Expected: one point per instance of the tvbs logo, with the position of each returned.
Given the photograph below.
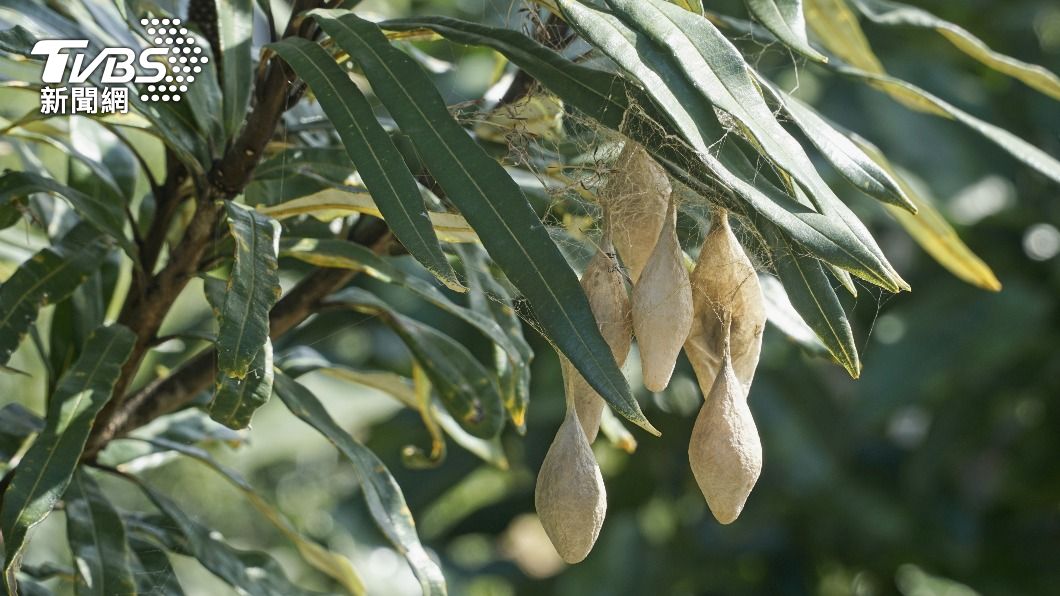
(162, 71)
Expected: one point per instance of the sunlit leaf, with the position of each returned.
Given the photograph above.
(492, 204)
(333, 202)
(884, 12)
(378, 161)
(784, 18)
(717, 74)
(615, 103)
(847, 158)
(934, 234)
(1014, 145)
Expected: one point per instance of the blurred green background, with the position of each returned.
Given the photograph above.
(938, 472)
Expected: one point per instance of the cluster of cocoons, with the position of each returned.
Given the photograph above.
(716, 314)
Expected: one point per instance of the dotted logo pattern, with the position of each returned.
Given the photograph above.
(185, 59)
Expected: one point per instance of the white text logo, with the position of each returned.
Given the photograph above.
(162, 72)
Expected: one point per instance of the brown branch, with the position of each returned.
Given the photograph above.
(175, 391)
(148, 303)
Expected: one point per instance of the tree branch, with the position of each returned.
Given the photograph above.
(175, 391)
(147, 304)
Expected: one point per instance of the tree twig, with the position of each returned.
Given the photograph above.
(147, 305)
(175, 391)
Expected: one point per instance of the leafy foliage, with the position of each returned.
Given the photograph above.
(280, 165)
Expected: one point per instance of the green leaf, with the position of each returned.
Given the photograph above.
(250, 572)
(490, 297)
(16, 425)
(235, 29)
(17, 40)
(381, 491)
(711, 71)
(44, 472)
(1014, 145)
(335, 566)
(884, 12)
(190, 427)
(378, 161)
(847, 158)
(48, 277)
(492, 203)
(296, 172)
(235, 400)
(348, 255)
(154, 575)
(619, 105)
(468, 390)
(401, 388)
(253, 287)
(934, 234)
(784, 18)
(811, 293)
(103, 213)
(785, 318)
(97, 539)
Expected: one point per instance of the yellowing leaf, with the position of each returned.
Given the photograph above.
(884, 12)
(934, 234)
(332, 203)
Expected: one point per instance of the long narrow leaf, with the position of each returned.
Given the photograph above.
(250, 572)
(235, 28)
(332, 203)
(1014, 145)
(49, 276)
(468, 390)
(493, 204)
(813, 297)
(253, 287)
(488, 296)
(378, 160)
(97, 539)
(847, 158)
(934, 234)
(617, 104)
(44, 472)
(784, 18)
(884, 12)
(336, 566)
(719, 76)
(154, 574)
(348, 255)
(235, 400)
(381, 491)
(103, 213)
